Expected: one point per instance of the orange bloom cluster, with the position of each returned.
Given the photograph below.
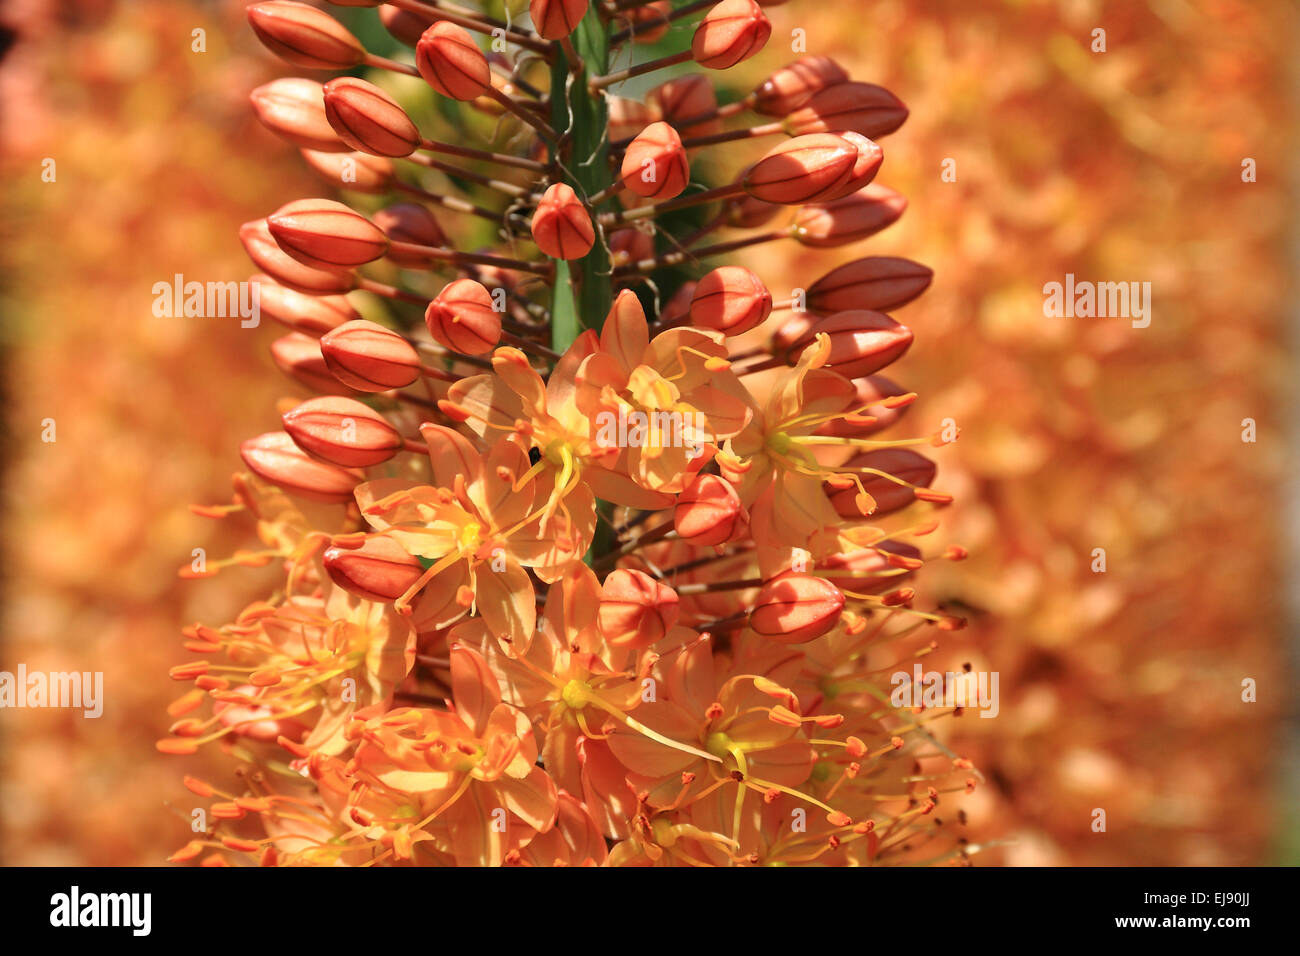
(569, 577)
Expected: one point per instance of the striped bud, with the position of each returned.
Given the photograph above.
(860, 107)
(294, 109)
(682, 99)
(862, 341)
(804, 169)
(902, 463)
(655, 164)
(870, 570)
(284, 269)
(368, 119)
(635, 610)
(359, 172)
(870, 156)
(648, 22)
(305, 36)
(856, 216)
(796, 608)
(309, 314)
(274, 458)
(880, 283)
(405, 26)
(299, 356)
(630, 245)
(746, 212)
(730, 299)
(342, 431)
(379, 569)
(708, 512)
(561, 226)
(627, 117)
(796, 83)
(325, 234)
(369, 357)
(734, 30)
(451, 62)
(464, 319)
(556, 19)
(413, 223)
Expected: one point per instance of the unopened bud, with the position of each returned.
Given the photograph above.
(309, 314)
(405, 26)
(655, 164)
(412, 223)
(368, 119)
(463, 318)
(342, 431)
(369, 357)
(796, 608)
(299, 356)
(708, 512)
(358, 172)
(861, 341)
(870, 392)
(879, 283)
(685, 98)
(561, 226)
(556, 19)
(803, 169)
(451, 62)
(294, 109)
(635, 610)
(902, 463)
(732, 31)
(862, 108)
(854, 217)
(379, 569)
(286, 270)
(796, 83)
(325, 234)
(730, 299)
(305, 36)
(275, 458)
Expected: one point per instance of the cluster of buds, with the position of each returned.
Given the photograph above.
(574, 575)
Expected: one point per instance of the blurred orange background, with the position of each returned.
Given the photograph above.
(1120, 690)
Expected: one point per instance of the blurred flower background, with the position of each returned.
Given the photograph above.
(1120, 689)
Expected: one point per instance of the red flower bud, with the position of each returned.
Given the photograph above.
(413, 223)
(556, 19)
(305, 36)
(796, 83)
(708, 512)
(803, 169)
(626, 117)
(325, 234)
(630, 245)
(561, 226)
(796, 608)
(359, 172)
(864, 108)
(854, 217)
(862, 341)
(730, 299)
(684, 98)
(869, 570)
(635, 610)
(880, 283)
(274, 458)
(368, 119)
(275, 262)
(299, 357)
(369, 357)
(732, 31)
(405, 26)
(310, 314)
(677, 308)
(342, 431)
(655, 164)
(294, 109)
(451, 62)
(379, 570)
(464, 318)
(864, 170)
(903, 463)
(648, 21)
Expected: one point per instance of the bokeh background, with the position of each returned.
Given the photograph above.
(1119, 690)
